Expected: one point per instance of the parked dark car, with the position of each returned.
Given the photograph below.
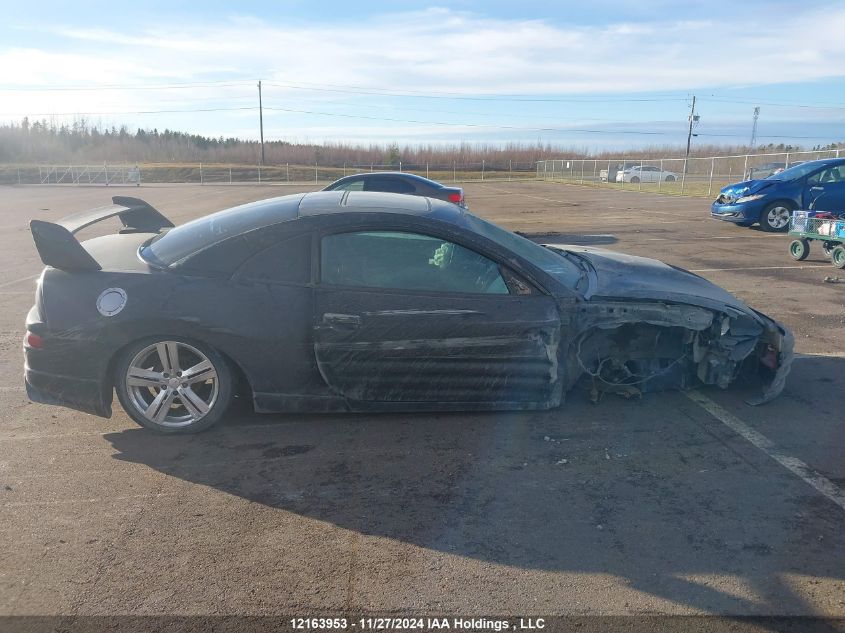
(817, 184)
(399, 182)
(758, 172)
(769, 169)
(357, 301)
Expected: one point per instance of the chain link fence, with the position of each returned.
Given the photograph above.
(104, 174)
(696, 176)
(691, 177)
(216, 173)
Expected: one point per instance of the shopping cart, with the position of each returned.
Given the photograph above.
(822, 226)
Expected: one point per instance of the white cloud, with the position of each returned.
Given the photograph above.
(436, 50)
(439, 49)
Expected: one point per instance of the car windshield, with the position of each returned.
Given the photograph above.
(553, 263)
(799, 171)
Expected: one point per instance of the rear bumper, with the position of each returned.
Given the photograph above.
(80, 394)
(67, 372)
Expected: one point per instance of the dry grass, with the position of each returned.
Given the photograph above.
(202, 173)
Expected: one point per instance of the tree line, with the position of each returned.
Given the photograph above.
(83, 142)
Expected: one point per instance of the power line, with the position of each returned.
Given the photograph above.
(778, 105)
(409, 93)
(509, 115)
(474, 125)
(477, 98)
(177, 86)
(28, 114)
(187, 99)
(415, 121)
(347, 116)
(442, 92)
(773, 136)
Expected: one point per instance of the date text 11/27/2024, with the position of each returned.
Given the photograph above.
(417, 623)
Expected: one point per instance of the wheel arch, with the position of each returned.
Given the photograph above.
(787, 202)
(242, 386)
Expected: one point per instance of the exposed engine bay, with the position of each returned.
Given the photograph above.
(634, 348)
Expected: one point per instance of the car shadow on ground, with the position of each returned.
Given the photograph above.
(648, 491)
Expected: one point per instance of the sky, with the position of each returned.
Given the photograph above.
(585, 75)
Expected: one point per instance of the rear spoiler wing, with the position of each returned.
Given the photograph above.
(58, 247)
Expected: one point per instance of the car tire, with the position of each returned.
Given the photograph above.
(635, 180)
(775, 217)
(153, 386)
(837, 257)
(670, 179)
(799, 249)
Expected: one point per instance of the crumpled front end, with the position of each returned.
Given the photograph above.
(780, 353)
(630, 348)
(741, 202)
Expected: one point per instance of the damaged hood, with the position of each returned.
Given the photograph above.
(746, 188)
(617, 275)
(614, 276)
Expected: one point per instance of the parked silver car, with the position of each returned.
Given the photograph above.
(645, 173)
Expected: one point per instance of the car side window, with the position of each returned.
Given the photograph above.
(829, 175)
(389, 185)
(289, 262)
(356, 184)
(407, 261)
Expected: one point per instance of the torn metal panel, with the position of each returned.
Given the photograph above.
(656, 346)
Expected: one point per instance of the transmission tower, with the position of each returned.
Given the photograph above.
(754, 127)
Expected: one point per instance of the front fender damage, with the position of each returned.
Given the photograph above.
(632, 348)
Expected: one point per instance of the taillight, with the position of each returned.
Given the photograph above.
(457, 197)
(33, 340)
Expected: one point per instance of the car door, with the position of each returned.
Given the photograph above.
(825, 190)
(408, 318)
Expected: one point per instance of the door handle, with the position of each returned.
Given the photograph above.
(816, 188)
(348, 321)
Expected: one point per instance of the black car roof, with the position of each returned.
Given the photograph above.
(820, 162)
(331, 202)
(187, 239)
(393, 174)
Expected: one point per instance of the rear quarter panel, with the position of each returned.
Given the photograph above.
(264, 329)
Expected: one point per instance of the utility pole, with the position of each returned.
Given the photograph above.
(261, 120)
(754, 127)
(693, 118)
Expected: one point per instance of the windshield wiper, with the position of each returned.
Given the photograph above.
(583, 266)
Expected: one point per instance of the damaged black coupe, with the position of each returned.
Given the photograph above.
(358, 301)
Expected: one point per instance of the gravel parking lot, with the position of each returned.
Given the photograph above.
(676, 503)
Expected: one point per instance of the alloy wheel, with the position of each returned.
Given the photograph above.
(778, 217)
(172, 384)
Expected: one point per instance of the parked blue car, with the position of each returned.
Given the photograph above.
(817, 184)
